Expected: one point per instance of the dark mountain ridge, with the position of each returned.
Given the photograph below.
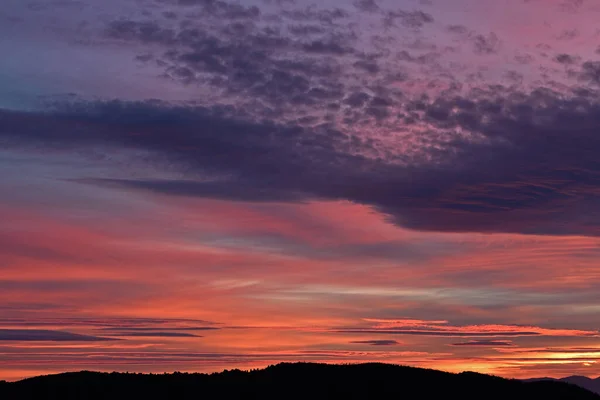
(591, 384)
(291, 381)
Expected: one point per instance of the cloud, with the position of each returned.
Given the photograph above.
(27, 329)
(155, 334)
(217, 190)
(161, 328)
(281, 64)
(442, 328)
(376, 342)
(459, 29)
(310, 115)
(409, 19)
(404, 322)
(146, 32)
(416, 332)
(329, 47)
(113, 323)
(490, 343)
(571, 5)
(367, 5)
(568, 34)
(220, 9)
(277, 69)
(46, 335)
(328, 16)
(569, 351)
(524, 162)
(590, 72)
(486, 44)
(285, 118)
(566, 59)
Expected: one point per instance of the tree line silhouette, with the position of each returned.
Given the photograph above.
(290, 381)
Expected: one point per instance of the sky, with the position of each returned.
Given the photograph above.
(199, 185)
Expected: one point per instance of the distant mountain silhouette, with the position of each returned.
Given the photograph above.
(593, 385)
(291, 381)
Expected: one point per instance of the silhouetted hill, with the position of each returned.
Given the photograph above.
(291, 381)
(593, 385)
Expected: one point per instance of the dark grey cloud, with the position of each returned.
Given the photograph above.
(327, 47)
(367, 5)
(568, 34)
(409, 19)
(306, 29)
(530, 165)
(215, 137)
(422, 59)
(193, 2)
(560, 349)
(424, 332)
(524, 58)
(169, 14)
(328, 16)
(515, 77)
(111, 324)
(276, 68)
(221, 9)
(460, 29)
(160, 328)
(156, 334)
(486, 44)
(535, 159)
(145, 31)
(590, 72)
(357, 99)
(566, 59)
(222, 190)
(377, 342)
(368, 63)
(487, 343)
(482, 44)
(571, 5)
(11, 244)
(295, 112)
(46, 335)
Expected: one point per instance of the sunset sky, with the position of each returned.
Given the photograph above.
(194, 185)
